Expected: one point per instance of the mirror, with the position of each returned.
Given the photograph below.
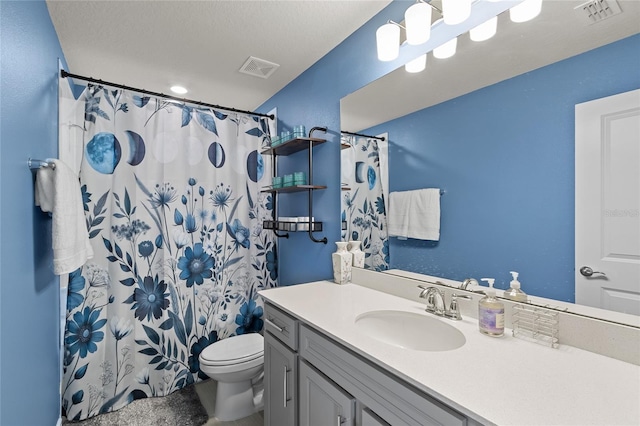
(493, 127)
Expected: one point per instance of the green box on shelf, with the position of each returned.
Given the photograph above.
(276, 182)
(299, 178)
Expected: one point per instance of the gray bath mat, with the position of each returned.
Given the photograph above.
(181, 408)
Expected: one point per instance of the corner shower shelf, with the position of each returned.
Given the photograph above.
(287, 148)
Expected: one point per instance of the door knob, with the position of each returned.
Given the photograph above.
(587, 272)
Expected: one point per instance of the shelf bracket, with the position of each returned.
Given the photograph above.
(285, 235)
(323, 241)
(319, 129)
(314, 239)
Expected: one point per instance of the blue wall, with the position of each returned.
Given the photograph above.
(313, 99)
(29, 364)
(505, 157)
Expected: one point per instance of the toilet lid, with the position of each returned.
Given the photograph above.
(234, 349)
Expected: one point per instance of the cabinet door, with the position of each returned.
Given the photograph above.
(280, 381)
(322, 402)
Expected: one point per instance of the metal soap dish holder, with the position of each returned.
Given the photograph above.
(536, 324)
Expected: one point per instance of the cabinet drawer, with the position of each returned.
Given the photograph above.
(393, 400)
(281, 325)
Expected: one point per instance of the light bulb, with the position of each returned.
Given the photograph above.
(455, 11)
(525, 11)
(178, 90)
(388, 42)
(417, 19)
(484, 31)
(446, 50)
(416, 65)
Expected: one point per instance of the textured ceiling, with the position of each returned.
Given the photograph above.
(202, 44)
(557, 33)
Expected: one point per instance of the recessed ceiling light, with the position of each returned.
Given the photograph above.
(179, 90)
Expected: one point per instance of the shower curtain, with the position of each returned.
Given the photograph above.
(364, 170)
(174, 211)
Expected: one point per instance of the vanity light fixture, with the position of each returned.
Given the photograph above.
(484, 31)
(418, 21)
(388, 41)
(416, 65)
(525, 11)
(179, 90)
(446, 50)
(456, 11)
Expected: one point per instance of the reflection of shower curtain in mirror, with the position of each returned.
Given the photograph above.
(365, 191)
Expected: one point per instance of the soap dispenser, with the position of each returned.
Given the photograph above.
(491, 312)
(514, 293)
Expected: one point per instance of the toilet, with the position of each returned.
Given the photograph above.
(237, 364)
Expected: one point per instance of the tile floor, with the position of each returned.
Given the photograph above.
(207, 392)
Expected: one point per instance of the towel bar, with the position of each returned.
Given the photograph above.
(39, 164)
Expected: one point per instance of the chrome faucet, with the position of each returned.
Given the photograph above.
(436, 303)
(468, 282)
(435, 300)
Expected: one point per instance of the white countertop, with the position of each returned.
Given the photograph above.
(505, 381)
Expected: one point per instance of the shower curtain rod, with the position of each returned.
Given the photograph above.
(65, 74)
(360, 134)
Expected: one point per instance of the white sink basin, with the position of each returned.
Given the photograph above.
(408, 330)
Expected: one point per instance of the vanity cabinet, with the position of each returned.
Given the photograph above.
(312, 380)
(287, 148)
(391, 399)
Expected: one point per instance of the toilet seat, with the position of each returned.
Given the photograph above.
(234, 350)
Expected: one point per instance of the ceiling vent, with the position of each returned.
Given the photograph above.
(598, 10)
(258, 67)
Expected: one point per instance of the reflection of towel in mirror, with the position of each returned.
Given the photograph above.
(415, 214)
(58, 191)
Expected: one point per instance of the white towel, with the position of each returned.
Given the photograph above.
(58, 192)
(415, 214)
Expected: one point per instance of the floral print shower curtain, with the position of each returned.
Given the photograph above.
(174, 212)
(364, 196)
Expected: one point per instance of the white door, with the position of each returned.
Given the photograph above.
(607, 206)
